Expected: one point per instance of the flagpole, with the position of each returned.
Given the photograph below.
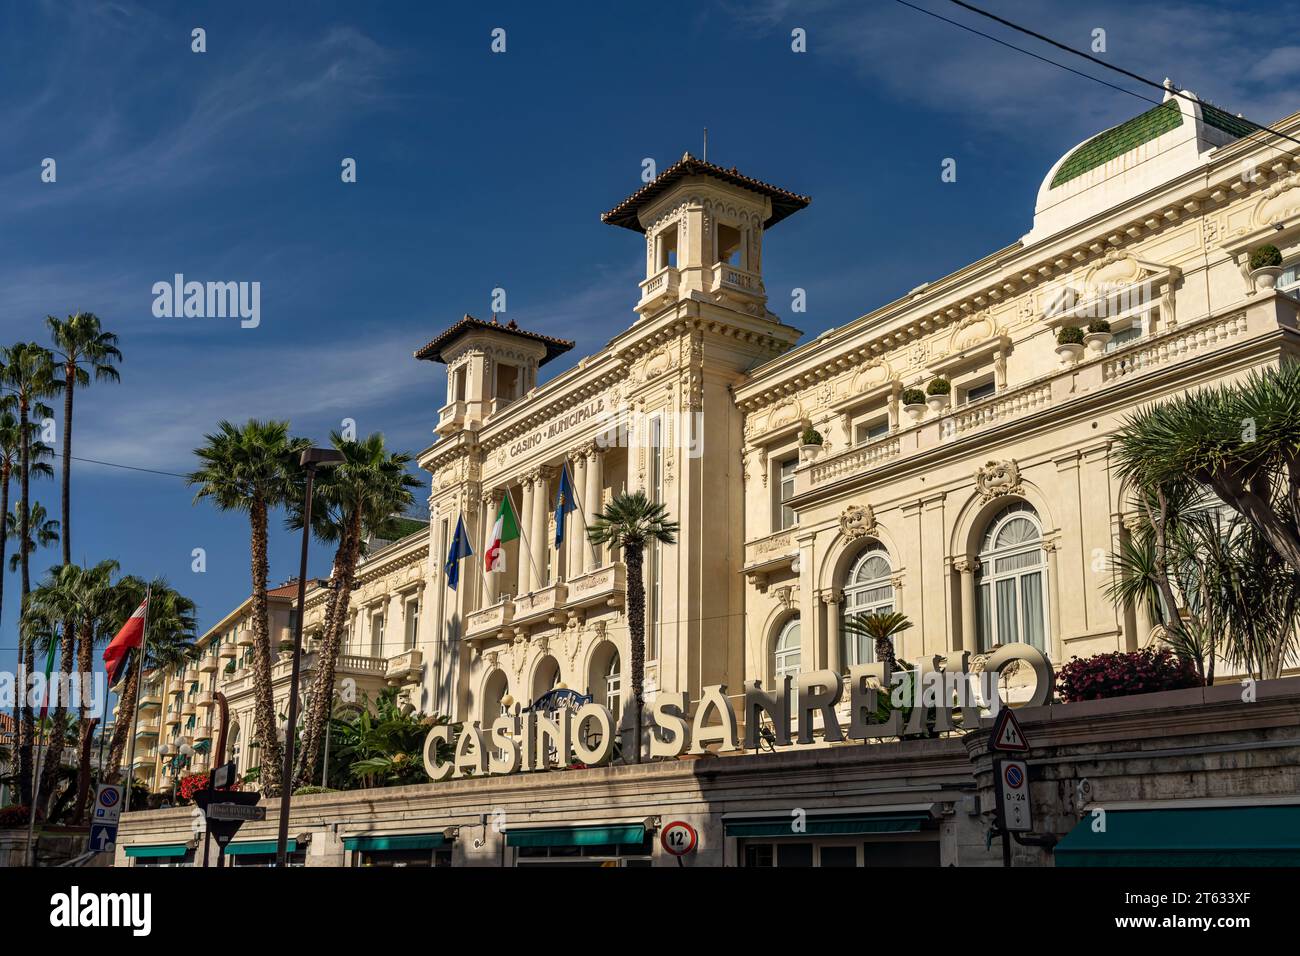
(135, 716)
(524, 538)
(577, 502)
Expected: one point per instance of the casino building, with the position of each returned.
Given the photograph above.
(984, 513)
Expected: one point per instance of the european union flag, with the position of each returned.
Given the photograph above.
(459, 549)
(564, 503)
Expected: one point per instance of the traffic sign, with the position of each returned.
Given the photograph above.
(1007, 733)
(223, 776)
(679, 838)
(235, 811)
(103, 837)
(108, 803)
(1011, 789)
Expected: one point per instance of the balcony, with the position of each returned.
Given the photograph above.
(149, 700)
(244, 638)
(187, 708)
(191, 674)
(658, 291)
(404, 668)
(604, 587)
(228, 652)
(208, 664)
(175, 686)
(540, 604)
(452, 416)
(202, 732)
(172, 719)
(1048, 394)
(204, 699)
(736, 282)
(147, 728)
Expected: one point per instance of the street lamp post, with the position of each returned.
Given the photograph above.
(312, 458)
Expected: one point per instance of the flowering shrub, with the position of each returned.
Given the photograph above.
(192, 783)
(15, 815)
(1120, 674)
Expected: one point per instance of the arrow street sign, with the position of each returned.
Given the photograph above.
(103, 837)
(1007, 734)
(235, 811)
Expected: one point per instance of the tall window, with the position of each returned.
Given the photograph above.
(785, 516)
(1013, 580)
(868, 590)
(786, 653)
(614, 685)
(377, 636)
(412, 622)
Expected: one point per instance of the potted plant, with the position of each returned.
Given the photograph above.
(810, 444)
(914, 403)
(938, 394)
(1098, 336)
(1069, 344)
(1265, 266)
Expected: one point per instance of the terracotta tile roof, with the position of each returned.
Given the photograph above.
(433, 351)
(290, 590)
(624, 214)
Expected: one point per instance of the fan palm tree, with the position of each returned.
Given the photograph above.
(84, 350)
(881, 628)
(358, 499)
(169, 643)
(27, 374)
(253, 468)
(630, 521)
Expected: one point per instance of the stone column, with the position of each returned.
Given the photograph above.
(832, 600)
(595, 488)
(537, 531)
(576, 531)
(969, 632)
(525, 522)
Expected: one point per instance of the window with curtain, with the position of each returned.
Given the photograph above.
(867, 590)
(1012, 589)
(786, 653)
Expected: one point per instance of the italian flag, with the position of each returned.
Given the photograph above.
(505, 529)
(130, 636)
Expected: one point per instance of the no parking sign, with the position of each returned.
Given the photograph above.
(1012, 792)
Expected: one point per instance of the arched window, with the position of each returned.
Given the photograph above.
(1013, 580)
(868, 590)
(614, 685)
(546, 677)
(786, 653)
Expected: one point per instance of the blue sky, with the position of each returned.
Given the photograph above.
(478, 170)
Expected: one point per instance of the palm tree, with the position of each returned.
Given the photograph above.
(358, 499)
(253, 468)
(27, 373)
(46, 621)
(32, 530)
(1238, 441)
(84, 349)
(629, 521)
(169, 643)
(881, 628)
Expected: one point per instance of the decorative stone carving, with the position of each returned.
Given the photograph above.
(997, 478)
(857, 521)
(787, 596)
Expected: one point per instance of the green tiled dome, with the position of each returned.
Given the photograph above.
(1118, 140)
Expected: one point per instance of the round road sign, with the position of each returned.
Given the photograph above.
(1014, 777)
(679, 838)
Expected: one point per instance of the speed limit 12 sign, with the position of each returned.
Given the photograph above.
(679, 838)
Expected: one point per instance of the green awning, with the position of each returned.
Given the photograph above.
(1207, 836)
(837, 825)
(257, 847)
(170, 849)
(398, 841)
(619, 834)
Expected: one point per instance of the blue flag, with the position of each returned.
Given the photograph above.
(564, 503)
(459, 549)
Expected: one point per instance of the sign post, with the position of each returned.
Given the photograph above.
(226, 812)
(108, 810)
(1010, 780)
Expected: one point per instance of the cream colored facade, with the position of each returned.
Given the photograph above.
(986, 518)
(1006, 489)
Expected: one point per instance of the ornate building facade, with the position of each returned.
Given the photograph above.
(985, 508)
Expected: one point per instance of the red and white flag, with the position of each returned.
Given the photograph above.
(130, 636)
